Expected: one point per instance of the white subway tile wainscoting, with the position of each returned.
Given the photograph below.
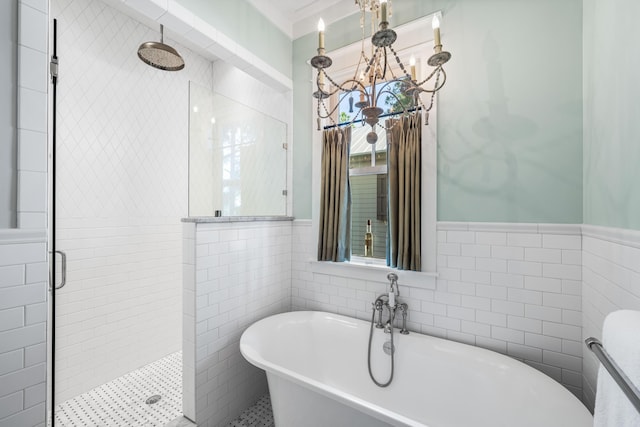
(23, 327)
(235, 273)
(512, 288)
(611, 281)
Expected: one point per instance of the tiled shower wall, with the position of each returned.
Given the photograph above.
(611, 281)
(512, 288)
(235, 273)
(23, 328)
(122, 190)
(23, 251)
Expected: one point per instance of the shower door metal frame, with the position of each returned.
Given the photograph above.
(53, 70)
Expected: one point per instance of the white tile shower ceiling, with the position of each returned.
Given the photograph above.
(122, 189)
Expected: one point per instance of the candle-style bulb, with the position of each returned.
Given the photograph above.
(383, 10)
(436, 33)
(412, 64)
(321, 35)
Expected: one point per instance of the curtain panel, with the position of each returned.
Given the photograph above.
(404, 158)
(334, 240)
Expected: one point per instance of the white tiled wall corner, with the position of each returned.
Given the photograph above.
(611, 281)
(23, 252)
(121, 192)
(189, 320)
(32, 115)
(242, 274)
(506, 287)
(23, 322)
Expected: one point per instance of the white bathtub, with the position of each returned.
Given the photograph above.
(316, 365)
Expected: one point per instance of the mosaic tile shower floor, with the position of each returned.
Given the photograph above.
(259, 415)
(121, 402)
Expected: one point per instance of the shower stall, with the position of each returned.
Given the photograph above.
(127, 170)
(121, 189)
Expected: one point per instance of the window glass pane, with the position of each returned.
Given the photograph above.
(237, 158)
(365, 205)
(361, 150)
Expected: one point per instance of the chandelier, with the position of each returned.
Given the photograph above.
(375, 71)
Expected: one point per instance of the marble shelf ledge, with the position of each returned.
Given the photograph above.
(206, 219)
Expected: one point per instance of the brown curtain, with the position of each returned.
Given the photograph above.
(404, 156)
(334, 240)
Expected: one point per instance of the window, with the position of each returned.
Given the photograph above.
(368, 177)
(343, 60)
(368, 173)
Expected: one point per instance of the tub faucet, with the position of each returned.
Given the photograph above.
(404, 309)
(394, 290)
(378, 306)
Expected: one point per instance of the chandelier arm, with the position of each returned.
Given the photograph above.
(436, 87)
(329, 114)
(351, 123)
(383, 89)
(384, 69)
(342, 86)
(355, 118)
(371, 61)
(338, 89)
(430, 76)
(399, 101)
(433, 94)
(400, 64)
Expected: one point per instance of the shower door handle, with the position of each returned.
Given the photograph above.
(63, 259)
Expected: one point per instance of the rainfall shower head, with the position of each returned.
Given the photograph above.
(160, 55)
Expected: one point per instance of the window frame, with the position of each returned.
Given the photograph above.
(415, 38)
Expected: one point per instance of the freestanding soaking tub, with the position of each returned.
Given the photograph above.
(316, 365)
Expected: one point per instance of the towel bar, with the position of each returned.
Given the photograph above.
(628, 388)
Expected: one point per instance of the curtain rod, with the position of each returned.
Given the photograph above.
(411, 110)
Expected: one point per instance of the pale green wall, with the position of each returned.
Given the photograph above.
(612, 113)
(244, 24)
(510, 125)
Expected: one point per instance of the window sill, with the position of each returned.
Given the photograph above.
(374, 271)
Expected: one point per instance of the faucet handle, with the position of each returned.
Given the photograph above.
(392, 277)
(404, 308)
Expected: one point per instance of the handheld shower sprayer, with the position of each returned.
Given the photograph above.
(394, 290)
